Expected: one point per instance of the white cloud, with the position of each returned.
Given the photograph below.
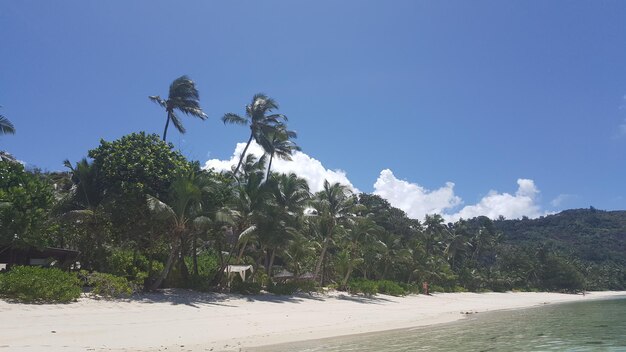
(414, 199)
(302, 164)
(494, 204)
(417, 201)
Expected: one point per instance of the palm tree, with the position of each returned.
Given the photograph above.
(184, 97)
(434, 231)
(333, 205)
(184, 207)
(261, 124)
(363, 229)
(83, 206)
(278, 143)
(86, 191)
(290, 195)
(391, 251)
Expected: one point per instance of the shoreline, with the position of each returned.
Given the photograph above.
(182, 320)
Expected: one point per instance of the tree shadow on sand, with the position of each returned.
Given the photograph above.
(195, 298)
(363, 299)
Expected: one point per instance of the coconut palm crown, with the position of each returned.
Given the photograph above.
(183, 97)
(262, 123)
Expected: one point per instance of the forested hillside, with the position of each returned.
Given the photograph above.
(593, 241)
(588, 234)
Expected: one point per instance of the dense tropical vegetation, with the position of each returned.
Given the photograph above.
(137, 209)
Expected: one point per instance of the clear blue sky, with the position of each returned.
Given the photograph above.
(480, 93)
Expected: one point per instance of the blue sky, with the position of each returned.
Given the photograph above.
(481, 94)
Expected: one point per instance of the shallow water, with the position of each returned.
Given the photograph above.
(582, 326)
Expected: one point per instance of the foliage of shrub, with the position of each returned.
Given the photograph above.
(307, 286)
(282, 288)
(30, 198)
(108, 285)
(291, 287)
(500, 285)
(122, 262)
(458, 289)
(32, 284)
(362, 286)
(390, 288)
(208, 265)
(245, 287)
(436, 288)
(409, 288)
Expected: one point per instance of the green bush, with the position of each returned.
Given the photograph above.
(457, 288)
(122, 262)
(283, 288)
(291, 287)
(410, 288)
(31, 284)
(307, 286)
(390, 288)
(109, 286)
(362, 286)
(436, 288)
(208, 265)
(245, 288)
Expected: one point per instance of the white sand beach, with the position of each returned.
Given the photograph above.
(189, 321)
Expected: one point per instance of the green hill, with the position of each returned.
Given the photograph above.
(593, 240)
(588, 234)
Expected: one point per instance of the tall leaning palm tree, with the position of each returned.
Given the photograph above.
(184, 97)
(261, 122)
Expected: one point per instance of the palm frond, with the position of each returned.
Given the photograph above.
(158, 208)
(226, 216)
(75, 215)
(202, 223)
(193, 111)
(277, 118)
(247, 232)
(177, 123)
(158, 100)
(6, 127)
(234, 119)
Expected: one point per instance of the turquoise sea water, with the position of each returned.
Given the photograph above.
(582, 326)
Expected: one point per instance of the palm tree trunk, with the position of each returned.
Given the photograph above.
(385, 270)
(243, 155)
(318, 266)
(345, 278)
(167, 123)
(242, 250)
(223, 264)
(195, 256)
(269, 167)
(269, 268)
(168, 266)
